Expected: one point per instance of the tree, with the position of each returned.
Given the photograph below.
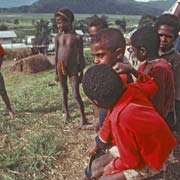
(146, 20)
(42, 32)
(3, 27)
(16, 21)
(121, 23)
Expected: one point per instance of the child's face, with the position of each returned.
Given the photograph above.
(93, 30)
(62, 23)
(167, 37)
(139, 53)
(102, 55)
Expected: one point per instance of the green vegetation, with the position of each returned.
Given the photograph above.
(30, 142)
(34, 141)
(25, 24)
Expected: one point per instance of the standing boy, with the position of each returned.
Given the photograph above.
(69, 60)
(168, 26)
(3, 91)
(143, 139)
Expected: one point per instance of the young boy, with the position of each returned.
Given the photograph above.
(143, 139)
(69, 60)
(168, 26)
(3, 91)
(108, 47)
(95, 24)
(145, 44)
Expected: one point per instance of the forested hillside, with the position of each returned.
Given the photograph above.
(125, 7)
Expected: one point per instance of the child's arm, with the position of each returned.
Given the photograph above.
(1, 60)
(125, 68)
(56, 56)
(81, 58)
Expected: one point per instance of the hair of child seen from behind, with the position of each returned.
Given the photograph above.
(170, 20)
(110, 38)
(148, 38)
(98, 22)
(66, 13)
(103, 84)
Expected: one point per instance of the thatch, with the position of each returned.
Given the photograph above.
(32, 64)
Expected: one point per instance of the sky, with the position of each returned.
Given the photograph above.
(15, 3)
(145, 0)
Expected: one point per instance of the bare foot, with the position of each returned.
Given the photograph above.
(11, 114)
(88, 126)
(67, 119)
(84, 177)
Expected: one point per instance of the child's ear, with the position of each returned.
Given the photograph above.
(143, 51)
(119, 53)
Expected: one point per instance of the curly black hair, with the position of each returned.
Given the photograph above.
(111, 38)
(170, 20)
(103, 84)
(148, 38)
(66, 13)
(97, 21)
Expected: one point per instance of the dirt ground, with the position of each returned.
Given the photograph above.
(71, 162)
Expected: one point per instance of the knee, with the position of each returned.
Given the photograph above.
(95, 165)
(76, 95)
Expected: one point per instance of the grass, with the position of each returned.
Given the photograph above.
(30, 142)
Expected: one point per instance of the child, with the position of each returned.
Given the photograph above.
(69, 60)
(168, 26)
(108, 47)
(3, 91)
(145, 44)
(95, 24)
(143, 139)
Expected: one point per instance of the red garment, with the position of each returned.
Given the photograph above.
(2, 51)
(139, 132)
(162, 73)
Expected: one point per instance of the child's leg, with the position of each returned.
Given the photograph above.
(64, 88)
(5, 97)
(75, 89)
(115, 176)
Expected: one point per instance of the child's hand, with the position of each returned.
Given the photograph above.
(93, 149)
(56, 78)
(98, 173)
(122, 68)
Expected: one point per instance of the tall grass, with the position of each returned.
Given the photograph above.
(30, 142)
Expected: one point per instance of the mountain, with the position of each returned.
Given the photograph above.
(15, 3)
(125, 7)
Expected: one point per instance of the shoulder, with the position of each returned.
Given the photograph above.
(161, 63)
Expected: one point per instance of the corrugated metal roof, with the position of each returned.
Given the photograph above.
(7, 34)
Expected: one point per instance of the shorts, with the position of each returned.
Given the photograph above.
(2, 85)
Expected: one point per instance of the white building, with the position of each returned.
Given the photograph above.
(6, 37)
(29, 39)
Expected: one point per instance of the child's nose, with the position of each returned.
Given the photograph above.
(96, 60)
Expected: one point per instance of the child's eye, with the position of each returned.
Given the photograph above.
(100, 55)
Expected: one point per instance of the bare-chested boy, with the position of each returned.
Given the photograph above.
(69, 59)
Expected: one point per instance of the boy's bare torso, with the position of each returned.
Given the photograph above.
(68, 50)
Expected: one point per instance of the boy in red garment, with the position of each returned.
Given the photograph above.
(108, 47)
(145, 44)
(142, 137)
